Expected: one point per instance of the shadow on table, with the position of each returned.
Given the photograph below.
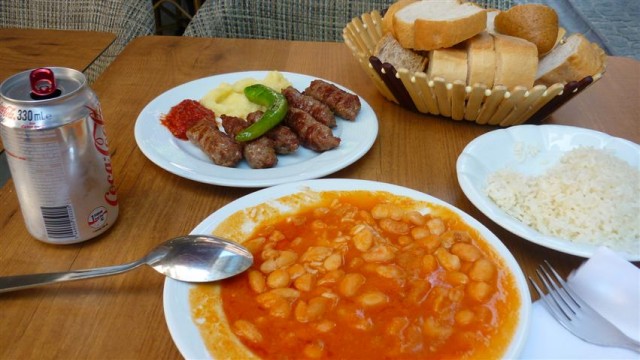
(4, 169)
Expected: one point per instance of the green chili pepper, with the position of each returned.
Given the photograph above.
(277, 108)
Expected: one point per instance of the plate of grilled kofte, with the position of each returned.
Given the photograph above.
(256, 128)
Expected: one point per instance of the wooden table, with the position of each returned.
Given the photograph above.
(122, 317)
(24, 49)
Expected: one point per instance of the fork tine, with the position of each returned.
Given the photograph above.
(550, 303)
(567, 287)
(553, 295)
(550, 306)
(568, 303)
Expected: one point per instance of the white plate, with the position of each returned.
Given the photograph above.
(176, 294)
(496, 150)
(187, 160)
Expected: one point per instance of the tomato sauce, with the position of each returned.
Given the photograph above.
(401, 310)
(184, 115)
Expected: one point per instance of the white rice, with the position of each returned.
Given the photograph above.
(590, 197)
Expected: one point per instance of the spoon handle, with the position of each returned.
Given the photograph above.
(19, 282)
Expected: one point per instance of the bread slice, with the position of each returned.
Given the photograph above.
(387, 20)
(573, 60)
(404, 18)
(516, 61)
(449, 64)
(537, 23)
(481, 59)
(561, 37)
(437, 24)
(491, 19)
(389, 50)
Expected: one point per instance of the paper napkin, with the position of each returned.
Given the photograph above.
(609, 284)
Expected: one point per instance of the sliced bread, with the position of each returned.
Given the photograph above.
(389, 50)
(573, 60)
(537, 23)
(491, 19)
(449, 64)
(516, 61)
(436, 24)
(561, 34)
(481, 59)
(387, 20)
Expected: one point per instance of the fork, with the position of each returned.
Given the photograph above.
(576, 315)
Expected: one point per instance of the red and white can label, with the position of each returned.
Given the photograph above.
(98, 218)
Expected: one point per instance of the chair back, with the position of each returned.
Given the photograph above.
(127, 19)
(305, 20)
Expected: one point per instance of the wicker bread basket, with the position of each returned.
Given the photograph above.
(458, 101)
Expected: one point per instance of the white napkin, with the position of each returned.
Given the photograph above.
(609, 284)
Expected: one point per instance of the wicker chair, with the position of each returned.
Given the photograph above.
(127, 19)
(305, 20)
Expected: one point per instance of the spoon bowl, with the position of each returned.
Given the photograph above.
(199, 258)
(190, 258)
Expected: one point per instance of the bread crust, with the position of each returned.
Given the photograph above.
(387, 20)
(417, 28)
(516, 61)
(587, 59)
(491, 18)
(438, 34)
(449, 64)
(481, 58)
(389, 50)
(537, 23)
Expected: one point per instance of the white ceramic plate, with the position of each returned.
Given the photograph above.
(176, 294)
(497, 150)
(187, 160)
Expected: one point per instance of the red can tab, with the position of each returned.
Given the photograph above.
(43, 82)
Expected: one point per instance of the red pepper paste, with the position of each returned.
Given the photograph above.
(184, 115)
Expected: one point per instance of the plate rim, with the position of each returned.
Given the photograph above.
(506, 221)
(331, 161)
(336, 184)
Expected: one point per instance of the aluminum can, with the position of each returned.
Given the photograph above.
(53, 133)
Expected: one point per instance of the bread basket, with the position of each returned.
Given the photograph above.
(458, 101)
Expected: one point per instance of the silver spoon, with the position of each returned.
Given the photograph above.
(191, 258)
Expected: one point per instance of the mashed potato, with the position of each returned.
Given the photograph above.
(229, 99)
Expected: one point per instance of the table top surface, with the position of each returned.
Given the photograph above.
(122, 316)
(24, 49)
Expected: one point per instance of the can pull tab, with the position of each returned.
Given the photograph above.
(43, 82)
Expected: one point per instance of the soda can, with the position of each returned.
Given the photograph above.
(53, 133)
